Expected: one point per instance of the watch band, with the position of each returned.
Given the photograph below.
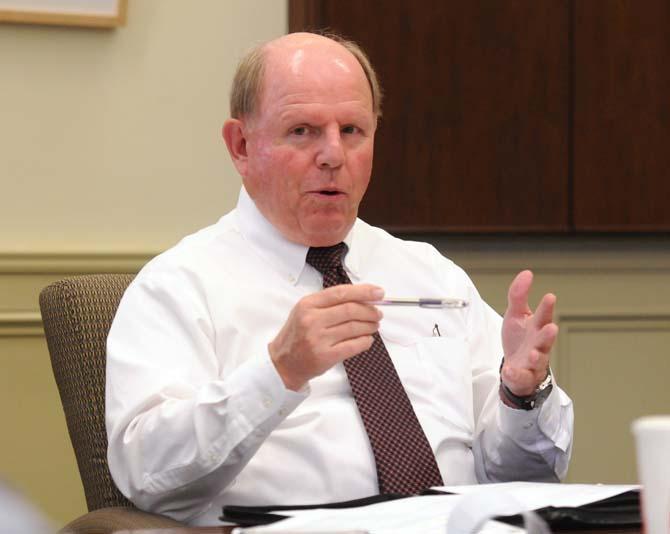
(527, 402)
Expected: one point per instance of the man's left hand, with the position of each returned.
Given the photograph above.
(527, 337)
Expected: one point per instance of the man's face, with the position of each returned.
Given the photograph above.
(310, 144)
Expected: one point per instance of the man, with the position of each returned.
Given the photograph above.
(230, 369)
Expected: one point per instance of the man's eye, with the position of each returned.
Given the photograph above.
(300, 130)
(350, 129)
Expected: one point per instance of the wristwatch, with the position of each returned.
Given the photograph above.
(528, 402)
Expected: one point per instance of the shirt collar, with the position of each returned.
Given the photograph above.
(287, 256)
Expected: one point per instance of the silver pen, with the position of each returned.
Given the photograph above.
(422, 302)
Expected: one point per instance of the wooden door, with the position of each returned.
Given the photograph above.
(474, 136)
(622, 116)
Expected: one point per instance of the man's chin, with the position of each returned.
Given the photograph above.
(327, 233)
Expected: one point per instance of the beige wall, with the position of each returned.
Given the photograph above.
(110, 151)
(113, 136)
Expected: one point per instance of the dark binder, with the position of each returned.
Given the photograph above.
(618, 511)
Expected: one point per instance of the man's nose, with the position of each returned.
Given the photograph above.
(331, 152)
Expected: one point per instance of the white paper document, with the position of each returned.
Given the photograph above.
(468, 512)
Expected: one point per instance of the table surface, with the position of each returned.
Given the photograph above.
(228, 530)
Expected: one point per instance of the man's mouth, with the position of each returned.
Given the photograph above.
(328, 192)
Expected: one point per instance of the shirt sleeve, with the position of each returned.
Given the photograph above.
(179, 431)
(512, 444)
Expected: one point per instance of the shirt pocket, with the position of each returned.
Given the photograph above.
(446, 361)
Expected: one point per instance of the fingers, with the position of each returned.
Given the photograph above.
(517, 296)
(350, 311)
(520, 381)
(546, 337)
(535, 354)
(340, 294)
(348, 322)
(544, 314)
(350, 330)
(523, 372)
(313, 316)
(535, 360)
(350, 347)
(518, 375)
(323, 329)
(527, 337)
(523, 380)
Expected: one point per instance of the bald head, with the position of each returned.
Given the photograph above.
(295, 51)
(302, 135)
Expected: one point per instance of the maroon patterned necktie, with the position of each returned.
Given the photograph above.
(405, 462)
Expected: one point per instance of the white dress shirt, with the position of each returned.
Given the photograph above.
(197, 416)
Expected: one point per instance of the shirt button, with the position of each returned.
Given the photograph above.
(528, 425)
(267, 402)
(282, 412)
(291, 278)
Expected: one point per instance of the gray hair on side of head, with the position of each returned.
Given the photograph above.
(247, 83)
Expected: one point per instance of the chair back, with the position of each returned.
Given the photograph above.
(77, 313)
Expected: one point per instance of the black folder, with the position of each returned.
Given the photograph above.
(619, 511)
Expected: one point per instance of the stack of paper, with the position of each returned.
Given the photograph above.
(467, 510)
(428, 515)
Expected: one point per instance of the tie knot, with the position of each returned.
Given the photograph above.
(325, 259)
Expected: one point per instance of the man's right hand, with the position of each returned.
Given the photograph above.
(324, 329)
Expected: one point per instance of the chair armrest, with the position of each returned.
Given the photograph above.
(110, 520)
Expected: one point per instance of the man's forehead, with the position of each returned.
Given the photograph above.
(306, 67)
(298, 60)
(297, 52)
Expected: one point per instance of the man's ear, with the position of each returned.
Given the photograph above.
(233, 135)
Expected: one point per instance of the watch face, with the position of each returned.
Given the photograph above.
(542, 394)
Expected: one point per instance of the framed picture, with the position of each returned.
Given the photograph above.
(89, 13)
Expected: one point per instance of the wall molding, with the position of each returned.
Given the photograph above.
(573, 262)
(599, 321)
(575, 318)
(551, 254)
(475, 255)
(24, 275)
(21, 324)
(72, 262)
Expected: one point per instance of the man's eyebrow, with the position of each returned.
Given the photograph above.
(297, 115)
(290, 119)
(301, 114)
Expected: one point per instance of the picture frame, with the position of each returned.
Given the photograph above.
(84, 13)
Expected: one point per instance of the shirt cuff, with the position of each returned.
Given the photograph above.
(523, 425)
(258, 388)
